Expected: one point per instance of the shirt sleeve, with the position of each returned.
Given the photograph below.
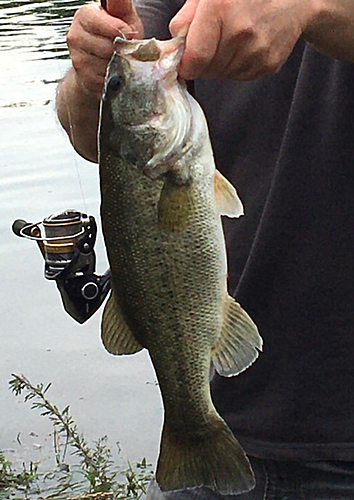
(156, 15)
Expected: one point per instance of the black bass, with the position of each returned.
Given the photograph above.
(162, 199)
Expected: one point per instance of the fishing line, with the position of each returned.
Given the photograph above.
(71, 128)
(71, 133)
(103, 4)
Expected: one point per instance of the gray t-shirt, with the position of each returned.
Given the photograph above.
(287, 143)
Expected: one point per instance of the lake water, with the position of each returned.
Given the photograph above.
(40, 175)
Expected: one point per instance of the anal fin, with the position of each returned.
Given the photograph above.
(239, 343)
(116, 334)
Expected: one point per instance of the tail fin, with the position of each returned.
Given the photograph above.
(154, 493)
(212, 458)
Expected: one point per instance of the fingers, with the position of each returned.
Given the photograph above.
(90, 43)
(120, 8)
(125, 10)
(96, 21)
(90, 55)
(242, 54)
(199, 20)
(236, 39)
(179, 25)
(216, 45)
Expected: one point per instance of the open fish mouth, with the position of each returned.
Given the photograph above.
(150, 50)
(156, 62)
(164, 56)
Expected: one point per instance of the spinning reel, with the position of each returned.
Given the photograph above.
(66, 240)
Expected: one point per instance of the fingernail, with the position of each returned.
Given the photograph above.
(177, 30)
(182, 31)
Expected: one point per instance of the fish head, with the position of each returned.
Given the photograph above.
(137, 72)
(141, 118)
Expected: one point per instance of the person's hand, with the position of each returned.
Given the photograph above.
(90, 39)
(240, 39)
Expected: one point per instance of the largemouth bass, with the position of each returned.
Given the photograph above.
(161, 204)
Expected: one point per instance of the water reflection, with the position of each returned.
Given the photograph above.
(40, 175)
(33, 50)
(36, 28)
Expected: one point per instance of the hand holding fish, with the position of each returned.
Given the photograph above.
(90, 42)
(90, 39)
(239, 39)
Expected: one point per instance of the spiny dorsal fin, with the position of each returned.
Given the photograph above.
(116, 334)
(227, 200)
(239, 343)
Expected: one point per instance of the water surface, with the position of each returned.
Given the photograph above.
(41, 174)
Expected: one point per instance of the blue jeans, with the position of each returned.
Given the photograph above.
(285, 480)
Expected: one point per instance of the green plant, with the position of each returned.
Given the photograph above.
(95, 476)
(11, 480)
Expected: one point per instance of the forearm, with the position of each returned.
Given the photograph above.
(78, 112)
(332, 31)
(91, 45)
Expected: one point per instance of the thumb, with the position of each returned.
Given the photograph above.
(179, 24)
(125, 10)
(122, 9)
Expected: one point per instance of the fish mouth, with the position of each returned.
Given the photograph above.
(151, 67)
(166, 54)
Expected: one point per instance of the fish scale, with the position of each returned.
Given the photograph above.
(160, 211)
(151, 258)
(137, 247)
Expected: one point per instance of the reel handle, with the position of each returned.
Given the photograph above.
(18, 225)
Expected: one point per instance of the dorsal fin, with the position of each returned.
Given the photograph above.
(227, 200)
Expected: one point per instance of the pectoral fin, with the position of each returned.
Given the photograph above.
(239, 343)
(116, 335)
(175, 207)
(227, 200)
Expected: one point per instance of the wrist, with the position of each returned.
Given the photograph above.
(84, 95)
(316, 15)
(331, 28)
(78, 112)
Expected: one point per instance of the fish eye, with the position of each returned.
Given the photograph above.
(115, 83)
